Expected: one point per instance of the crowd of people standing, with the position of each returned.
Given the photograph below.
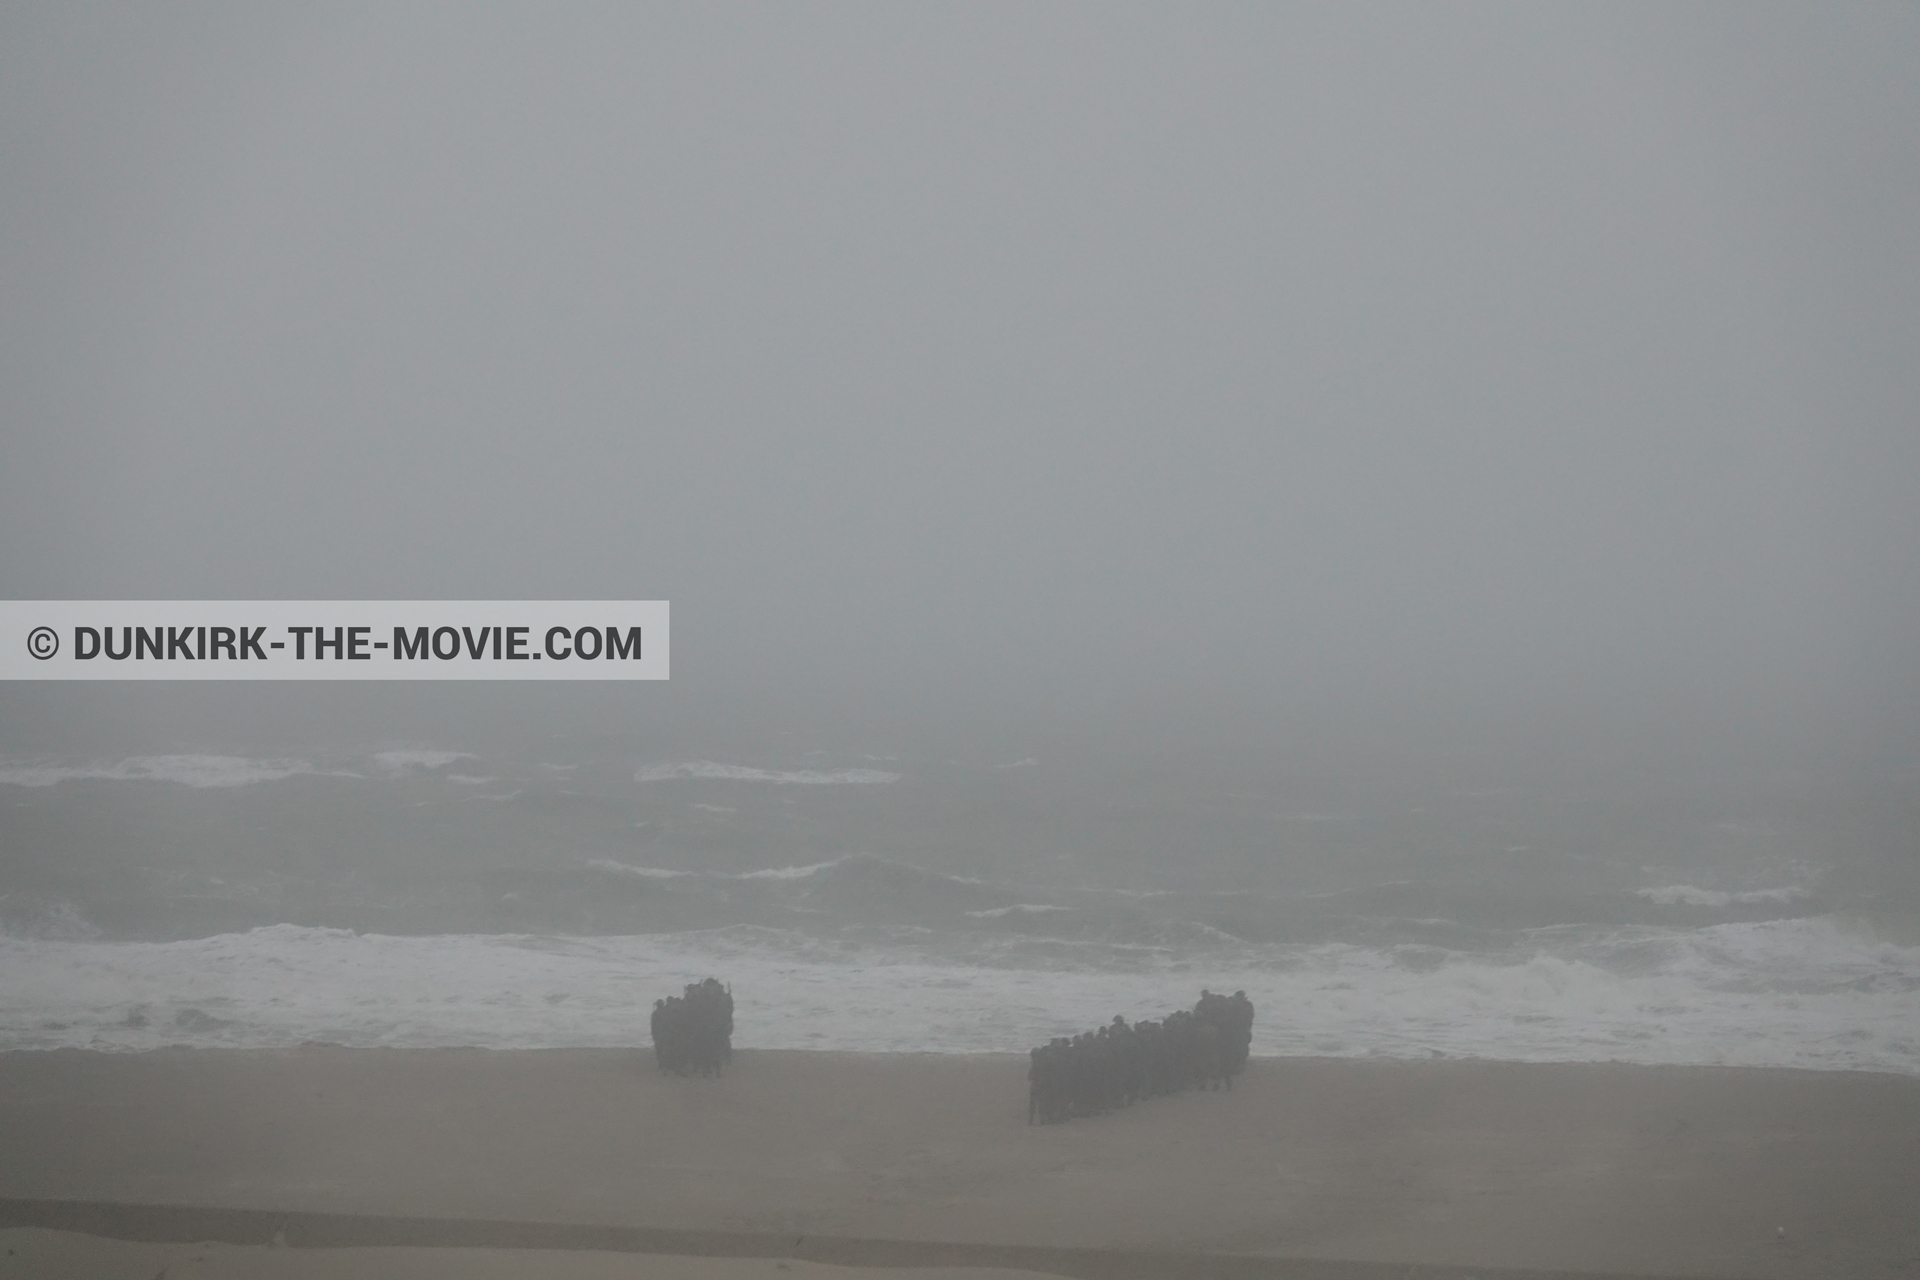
(1118, 1065)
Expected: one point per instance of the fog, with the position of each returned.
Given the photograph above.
(1401, 512)
(1493, 393)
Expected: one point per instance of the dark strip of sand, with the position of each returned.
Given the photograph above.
(187, 1225)
(1447, 1167)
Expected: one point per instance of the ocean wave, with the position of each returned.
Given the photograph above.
(1678, 895)
(764, 873)
(188, 770)
(708, 770)
(418, 758)
(621, 868)
(59, 921)
(1797, 993)
(787, 873)
(1024, 908)
(867, 890)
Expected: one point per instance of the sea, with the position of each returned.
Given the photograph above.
(417, 895)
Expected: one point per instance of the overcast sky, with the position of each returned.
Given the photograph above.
(1525, 373)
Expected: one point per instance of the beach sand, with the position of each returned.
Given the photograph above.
(62, 1255)
(910, 1160)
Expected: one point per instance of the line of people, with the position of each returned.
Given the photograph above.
(1118, 1065)
(693, 1033)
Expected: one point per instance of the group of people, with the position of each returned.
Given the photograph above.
(1118, 1065)
(693, 1033)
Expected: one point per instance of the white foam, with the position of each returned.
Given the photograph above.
(1025, 908)
(708, 770)
(1794, 993)
(187, 770)
(422, 758)
(1675, 895)
(621, 868)
(786, 873)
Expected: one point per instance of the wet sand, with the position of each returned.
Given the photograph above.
(793, 1156)
(37, 1254)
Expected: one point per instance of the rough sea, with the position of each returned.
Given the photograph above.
(426, 896)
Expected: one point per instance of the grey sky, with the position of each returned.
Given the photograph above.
(1525, 371)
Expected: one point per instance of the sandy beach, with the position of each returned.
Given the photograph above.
(886, 1159)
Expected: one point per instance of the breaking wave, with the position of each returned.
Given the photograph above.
(1024, 908)
(1688, 895)
(420, 758)
(621, 868)
(1792, 993)
(187, 770)
(708, 770)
